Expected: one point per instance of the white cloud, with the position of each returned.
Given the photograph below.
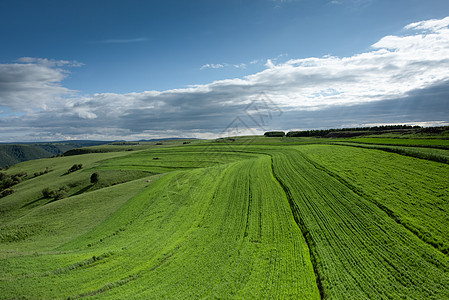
(33, 83)
(49, 62)
(212, 66)
(229, 65)
(394, 68)
(269, 64)
(240, 66)
(433, 25)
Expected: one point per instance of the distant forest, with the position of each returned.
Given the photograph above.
(11, 154)
(359, 131)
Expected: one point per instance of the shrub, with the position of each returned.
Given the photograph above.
(21, 174)
(74, 168)
(42, 172)
(56, 195)
(275, 134)
(7, 183)
(61, 193)
(94, 178)
(47, 193)
(6, 192)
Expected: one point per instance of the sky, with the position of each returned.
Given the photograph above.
(131, 70)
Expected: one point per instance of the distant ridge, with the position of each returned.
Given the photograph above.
(166, 139)
(14, 153)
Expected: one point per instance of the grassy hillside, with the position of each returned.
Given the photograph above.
(11, 154)
(240, 218)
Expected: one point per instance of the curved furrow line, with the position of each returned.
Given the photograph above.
(360, 251)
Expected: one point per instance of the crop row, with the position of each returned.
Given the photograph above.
(433, 154)
(225, 231)
(359, 251)
(414, 192)
(430, 143)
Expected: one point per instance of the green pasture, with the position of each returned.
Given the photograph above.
(235, 218)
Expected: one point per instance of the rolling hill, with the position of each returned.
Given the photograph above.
(11, 154)
(237, 218)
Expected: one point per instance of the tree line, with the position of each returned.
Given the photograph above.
(372, 129)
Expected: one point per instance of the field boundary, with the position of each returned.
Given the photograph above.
(308, 239)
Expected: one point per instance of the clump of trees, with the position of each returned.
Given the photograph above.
(55, 194)
(74, 168)
(36, 174)
(274, 134)
(6, 192)
(125, 143)
(8, 181)
(79, 151)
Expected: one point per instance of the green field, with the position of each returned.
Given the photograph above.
(240, 218)
(433, 143)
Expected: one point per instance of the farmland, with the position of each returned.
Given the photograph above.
(241, 218)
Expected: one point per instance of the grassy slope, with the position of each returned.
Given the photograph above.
(214, 222)
(222, 231)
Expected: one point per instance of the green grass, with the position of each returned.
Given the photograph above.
(360, 252)
(436, 143)
(217, 232)
(415, 192)
(240, 218)
(433, 154)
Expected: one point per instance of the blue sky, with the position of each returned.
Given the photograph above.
(110, 69)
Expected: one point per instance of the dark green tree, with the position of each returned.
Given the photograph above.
(94, 178)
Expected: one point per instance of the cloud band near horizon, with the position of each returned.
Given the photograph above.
(402, 78)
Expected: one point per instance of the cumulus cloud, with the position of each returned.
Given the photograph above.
(402, 78)
(32, 83)
(433, 25)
